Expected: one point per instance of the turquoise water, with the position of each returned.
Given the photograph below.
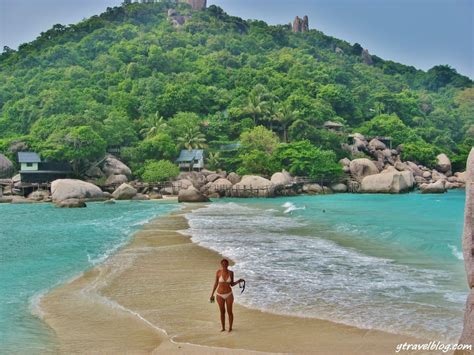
(388, 262)
(42, 246)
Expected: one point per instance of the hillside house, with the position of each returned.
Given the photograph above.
(33, 170)
(191, 159)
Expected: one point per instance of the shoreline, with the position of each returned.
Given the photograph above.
(129, 304)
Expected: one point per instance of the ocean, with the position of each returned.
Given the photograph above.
(42, 247)
(387, 262)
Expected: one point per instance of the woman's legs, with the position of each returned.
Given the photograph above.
(221, 302)
(229, 302)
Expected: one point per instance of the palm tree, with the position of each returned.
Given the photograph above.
(259, 101)
(192, 138)
(214, 160)
(152, 125)
(285, 116)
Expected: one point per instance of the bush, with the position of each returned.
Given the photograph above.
(159, 171)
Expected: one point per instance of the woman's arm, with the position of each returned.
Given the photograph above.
(232, 283)
(216, 283)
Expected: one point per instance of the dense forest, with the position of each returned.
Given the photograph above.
(256, 96)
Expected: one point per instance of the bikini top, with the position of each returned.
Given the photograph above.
(221, 279)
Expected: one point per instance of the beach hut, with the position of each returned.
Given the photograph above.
(191, 159)
(33, 170)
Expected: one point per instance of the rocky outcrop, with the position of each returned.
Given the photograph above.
(220, 186)
(300, 24)
(360, 168)
(366, 57)
(71, 203)
(6, 167)
(375, 144)
(113, 166)
(443, 164)
(39, 195)
(438, 187)
(197, 4)
(283, 178)
(467, 336)
(254, 186)
(389, 181)
(192, 195)
(64, 189)
(312, 189)
(339, 188)
(233, 178)
(124, 192)
(116, 180)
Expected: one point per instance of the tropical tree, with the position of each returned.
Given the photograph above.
(285, 116)
(159, 171)
(152, 125)
(192, 138)
(258, 104)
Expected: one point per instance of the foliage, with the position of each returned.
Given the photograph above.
(304, 159)
(159, 171)
(137, 82)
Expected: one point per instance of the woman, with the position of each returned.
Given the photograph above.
(224, 283)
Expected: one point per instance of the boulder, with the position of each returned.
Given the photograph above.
(141, 197)
(206, 172)
(254, 186)
(345, 162)
(375, 144)
(192, 195)
(339, 188)
(461, 177)
(233, 178)
(116, 180)
(39, 195)
(388, 181)
(109, 202)
(387, 153)
(155, 196)
(71, 203)
(443, 164)
(414, 168)
(401, 166)
(427, 174)
(467, 336)
(124, 192)
(113, 166)
(6, 167)
(436, 175)
(94, 172)
(283, 178)
(182, 184)
(220, 185)
(312, 189)
(65, 189)
(327, 190)
(362, 167)
(438, 187)
(212, 177)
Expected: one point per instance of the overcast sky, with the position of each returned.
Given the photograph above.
(422, 33)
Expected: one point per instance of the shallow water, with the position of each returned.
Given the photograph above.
(42, 247)
(388, 262)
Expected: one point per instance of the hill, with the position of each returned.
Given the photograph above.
(133, 78)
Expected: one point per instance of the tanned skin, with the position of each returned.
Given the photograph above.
(223, 288)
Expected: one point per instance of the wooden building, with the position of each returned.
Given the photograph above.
(35, 171)
(191, 159)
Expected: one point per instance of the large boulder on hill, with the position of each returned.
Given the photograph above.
(124, 192)
(443, 164)
(64, 189)
(438, 187)
(362, 167)
(116, 179)
(283, 178)
(113, 166)
(388, 181)
(467, 336)
(192, 195)
(6, 167)
(345, 162)
(375, 144)
(253, 185)
(71, 203)
(233, 178)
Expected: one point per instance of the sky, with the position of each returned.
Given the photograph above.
(422, 33)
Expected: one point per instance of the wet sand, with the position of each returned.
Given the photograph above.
(153, 297)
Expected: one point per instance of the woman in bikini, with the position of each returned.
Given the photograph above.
(223, 285)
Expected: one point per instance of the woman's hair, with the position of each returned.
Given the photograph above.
(225, 260)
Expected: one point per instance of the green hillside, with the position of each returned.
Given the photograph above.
(130, 79)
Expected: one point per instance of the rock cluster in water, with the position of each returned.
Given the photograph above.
(385, 172)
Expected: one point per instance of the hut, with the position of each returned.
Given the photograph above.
(35, 171)
(333, 126)
(191, 159)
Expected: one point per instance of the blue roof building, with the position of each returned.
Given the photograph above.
(191, 159)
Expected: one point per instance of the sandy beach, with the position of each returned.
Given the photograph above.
(152, 297)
